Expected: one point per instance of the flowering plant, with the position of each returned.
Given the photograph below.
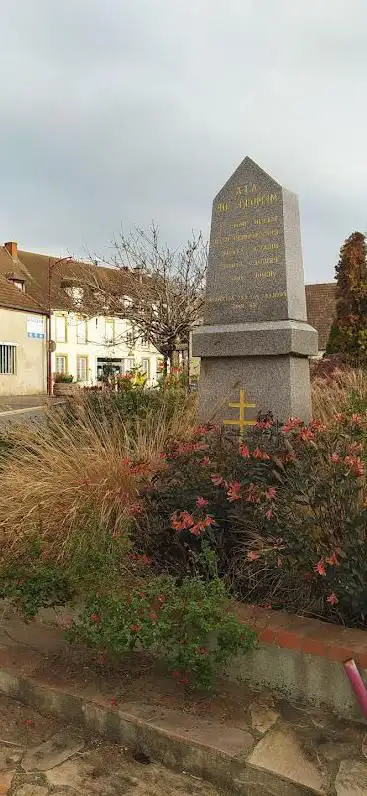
(176, 380)
(286, 513)
(194, 499)
(312, 555)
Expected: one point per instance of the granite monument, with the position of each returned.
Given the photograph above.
(255, 334)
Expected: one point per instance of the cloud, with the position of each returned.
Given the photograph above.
(131, 111)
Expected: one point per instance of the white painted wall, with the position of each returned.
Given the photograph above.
(30, 377)
(106, 339)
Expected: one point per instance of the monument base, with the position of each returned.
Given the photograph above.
(269, 360)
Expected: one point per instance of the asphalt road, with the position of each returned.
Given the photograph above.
(10, 403)
(20, 416)
(19, 409)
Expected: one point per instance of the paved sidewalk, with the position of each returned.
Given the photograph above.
(10, 403)
(23, 409)
(248, 743)
(39, 756)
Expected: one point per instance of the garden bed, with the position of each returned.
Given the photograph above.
(296, 658)
(153, 528)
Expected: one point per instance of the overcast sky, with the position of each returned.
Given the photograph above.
(130, 110)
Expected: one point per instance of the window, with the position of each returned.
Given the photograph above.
(129, 364)
(145, 340)
(81, 330)
(145, 367)
(7, 359)
(61, 364)
(109, 330)
(18, 283)
(60, 328)
(82, 368)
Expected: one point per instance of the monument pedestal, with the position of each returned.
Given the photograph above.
(269, 359)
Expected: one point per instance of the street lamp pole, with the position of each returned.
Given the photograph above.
(51, 266)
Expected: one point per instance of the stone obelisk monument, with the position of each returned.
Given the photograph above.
(255, 335)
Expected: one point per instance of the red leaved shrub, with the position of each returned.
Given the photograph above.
(285, 513)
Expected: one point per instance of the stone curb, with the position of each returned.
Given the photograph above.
(175, 750)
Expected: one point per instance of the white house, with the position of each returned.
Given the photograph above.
(86, 344)
(22, 337)
(88, 347)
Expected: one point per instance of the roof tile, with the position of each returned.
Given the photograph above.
(321, 308)
(13, 298)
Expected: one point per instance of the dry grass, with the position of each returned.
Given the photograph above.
(68, 482)
(332, 395)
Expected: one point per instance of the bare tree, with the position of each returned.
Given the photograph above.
(159, 290)
(167, 293)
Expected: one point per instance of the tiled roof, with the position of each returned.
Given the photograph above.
(321, 308)
(34, 269)
(9, 266)
(13, 298)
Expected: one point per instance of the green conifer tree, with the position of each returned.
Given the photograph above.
(348, 334)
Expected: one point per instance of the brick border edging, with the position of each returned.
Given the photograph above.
(299, 633)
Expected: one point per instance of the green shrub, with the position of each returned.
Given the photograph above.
(126, 406)
(63, 378)
(30, 582)
(357, 402)
(187, 624)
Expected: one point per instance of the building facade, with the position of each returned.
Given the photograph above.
(22, 342)
(22, 356)
(90, 348)
(87, 345)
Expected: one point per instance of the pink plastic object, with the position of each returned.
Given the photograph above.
(357, 684)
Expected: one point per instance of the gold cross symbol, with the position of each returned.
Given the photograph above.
(241, 422)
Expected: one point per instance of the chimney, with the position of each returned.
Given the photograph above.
(12, 247)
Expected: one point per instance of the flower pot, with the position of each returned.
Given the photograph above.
(65, 388)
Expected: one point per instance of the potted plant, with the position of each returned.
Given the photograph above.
(64, 384)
